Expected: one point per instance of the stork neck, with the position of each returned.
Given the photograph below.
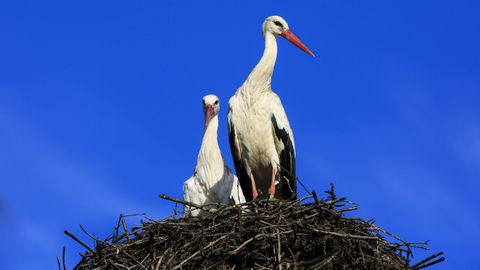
(210, 148)
(262, 73)
(211, 129)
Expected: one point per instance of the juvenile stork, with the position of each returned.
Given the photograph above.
(212, 182)
(261, 139)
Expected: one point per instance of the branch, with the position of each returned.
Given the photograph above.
(79, 241)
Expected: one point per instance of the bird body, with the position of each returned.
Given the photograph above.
(212, 181)
(261, 139)
(258, 144)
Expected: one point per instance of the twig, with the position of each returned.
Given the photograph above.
(125, 228)
(314, 194)
(79, 241)
(279, 251)
(198, 252)
(297, 179)
(91, 236)
(129, 256)
(63, 258)
(166, 197)
(347, 235)
(419, 264)
(430, 264)
(58, 262)
(158, 263)
(239, 248)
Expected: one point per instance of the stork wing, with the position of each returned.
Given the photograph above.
(229, 190)
(285, 145)
(242, 175)
(192, 192)
(237, 193)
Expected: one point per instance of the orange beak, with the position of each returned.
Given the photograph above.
(209, 110)
(290, 36)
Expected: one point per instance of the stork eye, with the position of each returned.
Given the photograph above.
(277, 23)
(203, 101)
(216, 102)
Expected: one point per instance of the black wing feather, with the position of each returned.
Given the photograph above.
(239, 168)
(287, 188)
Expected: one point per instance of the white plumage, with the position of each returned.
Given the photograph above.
(261, 139)
(212, 181)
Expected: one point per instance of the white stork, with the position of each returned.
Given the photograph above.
(260, 136)
(212, 181)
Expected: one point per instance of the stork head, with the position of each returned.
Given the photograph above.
(279, 27)
(211, 107)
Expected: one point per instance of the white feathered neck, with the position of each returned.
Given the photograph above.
(210, 163)
(260, 78)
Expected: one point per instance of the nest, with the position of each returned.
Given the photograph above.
(307, 233)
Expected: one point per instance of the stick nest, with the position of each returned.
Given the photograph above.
(302, 234)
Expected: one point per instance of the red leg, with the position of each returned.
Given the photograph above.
(254, 187)
(271, 189)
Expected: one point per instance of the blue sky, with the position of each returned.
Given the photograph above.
(100, 111)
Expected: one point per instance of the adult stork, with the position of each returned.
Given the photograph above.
(261, 139)
(212, 181)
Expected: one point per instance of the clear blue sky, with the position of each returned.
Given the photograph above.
(100, 111)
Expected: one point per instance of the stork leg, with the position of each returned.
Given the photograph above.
(271, 189)
(254, 187)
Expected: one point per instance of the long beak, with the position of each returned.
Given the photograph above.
(208, 113)
(290, 36)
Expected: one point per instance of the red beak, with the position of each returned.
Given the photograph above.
(208, 113)
(290, 36)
